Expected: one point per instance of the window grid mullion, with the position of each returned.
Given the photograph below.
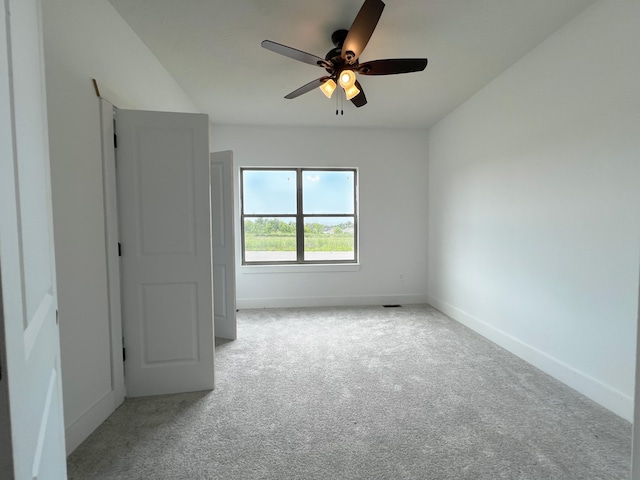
(299, 218)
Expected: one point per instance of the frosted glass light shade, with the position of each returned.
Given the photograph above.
(351, 92)
(328, 87)
(347, 79)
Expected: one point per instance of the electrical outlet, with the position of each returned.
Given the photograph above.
(402, 277)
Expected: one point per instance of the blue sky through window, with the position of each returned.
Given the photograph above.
(274, 192)
(327, 192)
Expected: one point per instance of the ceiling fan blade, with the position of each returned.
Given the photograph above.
(307, 88)
(361, 30)
(293, 53)
(392, 66)
(360, 99)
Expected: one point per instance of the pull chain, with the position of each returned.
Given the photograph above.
(340, 103)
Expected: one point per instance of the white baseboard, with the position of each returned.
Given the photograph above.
(608, 397)
(79, 430)
(332, 301)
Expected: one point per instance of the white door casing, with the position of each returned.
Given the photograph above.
(31, 346)
(164, 222)
(112, 238)
(222, 230)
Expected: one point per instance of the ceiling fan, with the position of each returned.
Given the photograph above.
(341, 62)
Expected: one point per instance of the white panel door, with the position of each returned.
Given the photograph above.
(30, 381)
(224, 261)
(164, 219)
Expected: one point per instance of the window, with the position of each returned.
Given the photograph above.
(299, 215)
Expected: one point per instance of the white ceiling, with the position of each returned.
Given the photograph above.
(212, 49)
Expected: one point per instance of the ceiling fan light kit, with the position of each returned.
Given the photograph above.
(351, 92)
(348, 83)
(328, 88)
(341, 62)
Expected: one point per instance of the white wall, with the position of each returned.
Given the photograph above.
(87, 39)
(534, 194)
(393, 195)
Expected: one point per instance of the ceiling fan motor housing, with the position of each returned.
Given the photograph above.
(334, 56)
(338, 37)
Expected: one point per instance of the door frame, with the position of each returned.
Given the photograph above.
(104, 406)
(78, 431)
(112, 248)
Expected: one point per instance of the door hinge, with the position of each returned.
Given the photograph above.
(119, 249)
(124, 354)
(115, 141)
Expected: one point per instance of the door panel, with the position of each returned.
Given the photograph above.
(165, 340)
(166, 196)
(222, 228)
(30, 382)
(164, 218)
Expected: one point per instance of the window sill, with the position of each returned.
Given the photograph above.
(298, 268)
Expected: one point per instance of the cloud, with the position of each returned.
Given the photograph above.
(313, 179)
